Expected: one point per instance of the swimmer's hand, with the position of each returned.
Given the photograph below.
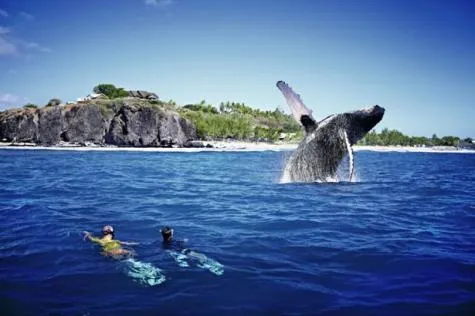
(86, 235)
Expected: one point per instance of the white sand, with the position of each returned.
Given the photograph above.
(231, 146)
(436, 149)
(217, 146)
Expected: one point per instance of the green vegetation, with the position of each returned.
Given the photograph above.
(30, 106)
(53, 102)
(393, 138)
(108, 107)
(238, 121)
(110, 91)
(202, 107)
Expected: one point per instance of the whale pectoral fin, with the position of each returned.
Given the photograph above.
(350, 155)
(299, 111)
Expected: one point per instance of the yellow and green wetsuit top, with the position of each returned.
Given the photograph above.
(107, 245)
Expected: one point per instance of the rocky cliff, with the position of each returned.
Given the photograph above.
(116, 122)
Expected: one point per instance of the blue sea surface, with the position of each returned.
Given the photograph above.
(399, 241)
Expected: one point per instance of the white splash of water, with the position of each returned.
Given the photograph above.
(285, 177)
(350, 155)
(346, 171)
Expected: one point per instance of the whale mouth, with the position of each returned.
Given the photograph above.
(370, 117)
(378, 111)
(375, 112)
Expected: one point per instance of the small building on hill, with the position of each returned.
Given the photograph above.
(141, 94)
(91, 96)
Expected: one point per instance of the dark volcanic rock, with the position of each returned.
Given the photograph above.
(122, 123)
(85, 123)
(148, 126)
(175, 130)
(194, 144)
(134, 126)
(49, 128)
(19, 125)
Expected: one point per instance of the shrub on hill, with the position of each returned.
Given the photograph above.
(238, 121)
(53, 102)
(110, 91)
(30, 106)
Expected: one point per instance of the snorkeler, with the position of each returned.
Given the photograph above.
(142, 272)
(169, 242)
(177, 250)
(110, 246)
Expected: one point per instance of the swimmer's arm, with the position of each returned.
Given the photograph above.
(89, 236)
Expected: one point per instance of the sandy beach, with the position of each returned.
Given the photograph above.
(227, 146)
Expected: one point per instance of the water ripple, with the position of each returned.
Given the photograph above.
(399, 241)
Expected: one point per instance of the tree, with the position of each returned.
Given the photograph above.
(30, 106)
(435, 141)
(449, 141)
(202, 107)
(393, 137)
(54, 102)
(110, 91)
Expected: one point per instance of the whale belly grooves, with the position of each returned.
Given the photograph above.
(316, 161)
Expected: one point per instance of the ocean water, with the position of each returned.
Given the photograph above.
(399, 241)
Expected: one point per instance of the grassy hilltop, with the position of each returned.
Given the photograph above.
(238, 121)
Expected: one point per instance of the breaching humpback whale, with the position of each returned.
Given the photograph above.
(326, 142)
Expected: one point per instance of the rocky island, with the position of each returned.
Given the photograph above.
(125, 121)
(112, 116)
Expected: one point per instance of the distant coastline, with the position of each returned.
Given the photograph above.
(113, 117)
(228, 146)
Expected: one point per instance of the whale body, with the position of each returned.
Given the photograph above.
(326, 142)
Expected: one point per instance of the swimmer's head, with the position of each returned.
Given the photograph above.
(108, 230)
(167, 233)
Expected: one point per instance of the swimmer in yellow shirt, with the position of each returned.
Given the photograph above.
(110, 246)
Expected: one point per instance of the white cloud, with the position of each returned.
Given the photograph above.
(26, 16)
(10, 44)
(7, 47)
(20, 47)
(8, 100)
(159, 3)
(35, 46)
(3, 13)
(4, 30)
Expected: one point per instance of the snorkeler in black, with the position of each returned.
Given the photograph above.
(181, 255)
(169, 242)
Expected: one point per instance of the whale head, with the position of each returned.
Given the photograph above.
(359, 123)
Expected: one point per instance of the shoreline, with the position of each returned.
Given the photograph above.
(228, 146)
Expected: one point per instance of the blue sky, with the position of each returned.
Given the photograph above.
(415, 58)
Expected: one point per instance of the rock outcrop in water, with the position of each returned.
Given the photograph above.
(117, 122)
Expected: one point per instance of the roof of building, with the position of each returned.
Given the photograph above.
(142, 94)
